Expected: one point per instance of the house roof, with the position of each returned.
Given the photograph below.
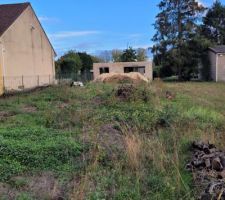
(9, 13)
(218, 49)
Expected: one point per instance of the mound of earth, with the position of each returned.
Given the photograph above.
(133, 77)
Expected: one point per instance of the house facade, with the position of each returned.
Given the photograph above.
(26, 54)
(145, 68)
(217, 63)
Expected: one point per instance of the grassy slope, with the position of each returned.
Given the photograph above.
(93, 145)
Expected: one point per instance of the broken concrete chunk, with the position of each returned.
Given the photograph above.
(222, 175)
(208, 165)
(216, 164)
(222, 159)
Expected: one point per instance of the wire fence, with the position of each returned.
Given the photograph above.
(13, 84)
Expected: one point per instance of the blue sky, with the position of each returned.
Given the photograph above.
(96, 25)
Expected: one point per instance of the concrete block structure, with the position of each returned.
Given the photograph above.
(145, 68)
(26, 54)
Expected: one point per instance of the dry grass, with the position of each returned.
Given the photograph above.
(132, 149)
(133, 145)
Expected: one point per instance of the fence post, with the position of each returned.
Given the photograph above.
(3, 82)
(38, 80)
(49, 79)
(22, 82)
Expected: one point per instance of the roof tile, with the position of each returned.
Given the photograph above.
(9, 13)
(218, 49)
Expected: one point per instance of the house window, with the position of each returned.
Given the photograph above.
(134, 69)
(104, 70)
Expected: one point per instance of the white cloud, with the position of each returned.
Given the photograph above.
(72, 34)
(48, 19)
(143, 46)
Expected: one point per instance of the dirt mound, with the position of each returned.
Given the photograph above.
(208, 168)
(125, 92)
(128, 92)
(133, 77)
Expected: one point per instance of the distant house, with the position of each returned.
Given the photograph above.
(26, 54)
(145, 68)
(217, 63)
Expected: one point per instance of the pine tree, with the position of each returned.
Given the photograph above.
(176, 24)
(129, 55)
(214, 24)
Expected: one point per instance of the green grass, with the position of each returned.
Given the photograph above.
(99, 146)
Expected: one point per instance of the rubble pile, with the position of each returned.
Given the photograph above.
(208, 168)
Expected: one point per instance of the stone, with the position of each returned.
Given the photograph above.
(208, 163)
(216, 165)
(222, 175)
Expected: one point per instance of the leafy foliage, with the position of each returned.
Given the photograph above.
(176, 25)
(69, 63)
(129, 55)
(213, 26)
(73, 62)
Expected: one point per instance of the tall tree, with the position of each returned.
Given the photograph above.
(176, 24)
(141, 54)
(129, 55)
(214, 23)
(116, 55)
(87, 62)
(69, 63)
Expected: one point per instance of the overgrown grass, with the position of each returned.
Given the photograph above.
(99, 146)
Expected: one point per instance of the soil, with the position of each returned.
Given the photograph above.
(29, 109)
(41, 186)
(133, 77)
(5, 114)
(125, 92)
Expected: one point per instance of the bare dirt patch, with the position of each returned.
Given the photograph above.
(63, 105)
(7, 192)
(109, 140)
(29, 109)
(41, 186)
(6, 114)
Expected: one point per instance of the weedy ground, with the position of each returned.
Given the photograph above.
(97, 143)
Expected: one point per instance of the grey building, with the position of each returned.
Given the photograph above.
(217, 63)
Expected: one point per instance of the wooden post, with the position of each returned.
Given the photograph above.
(49, 79)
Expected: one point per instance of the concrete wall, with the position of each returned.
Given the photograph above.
(221, 67)
(212, 57)
(119, 68)
(217, 62)
(1, 68)
(27, 53)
